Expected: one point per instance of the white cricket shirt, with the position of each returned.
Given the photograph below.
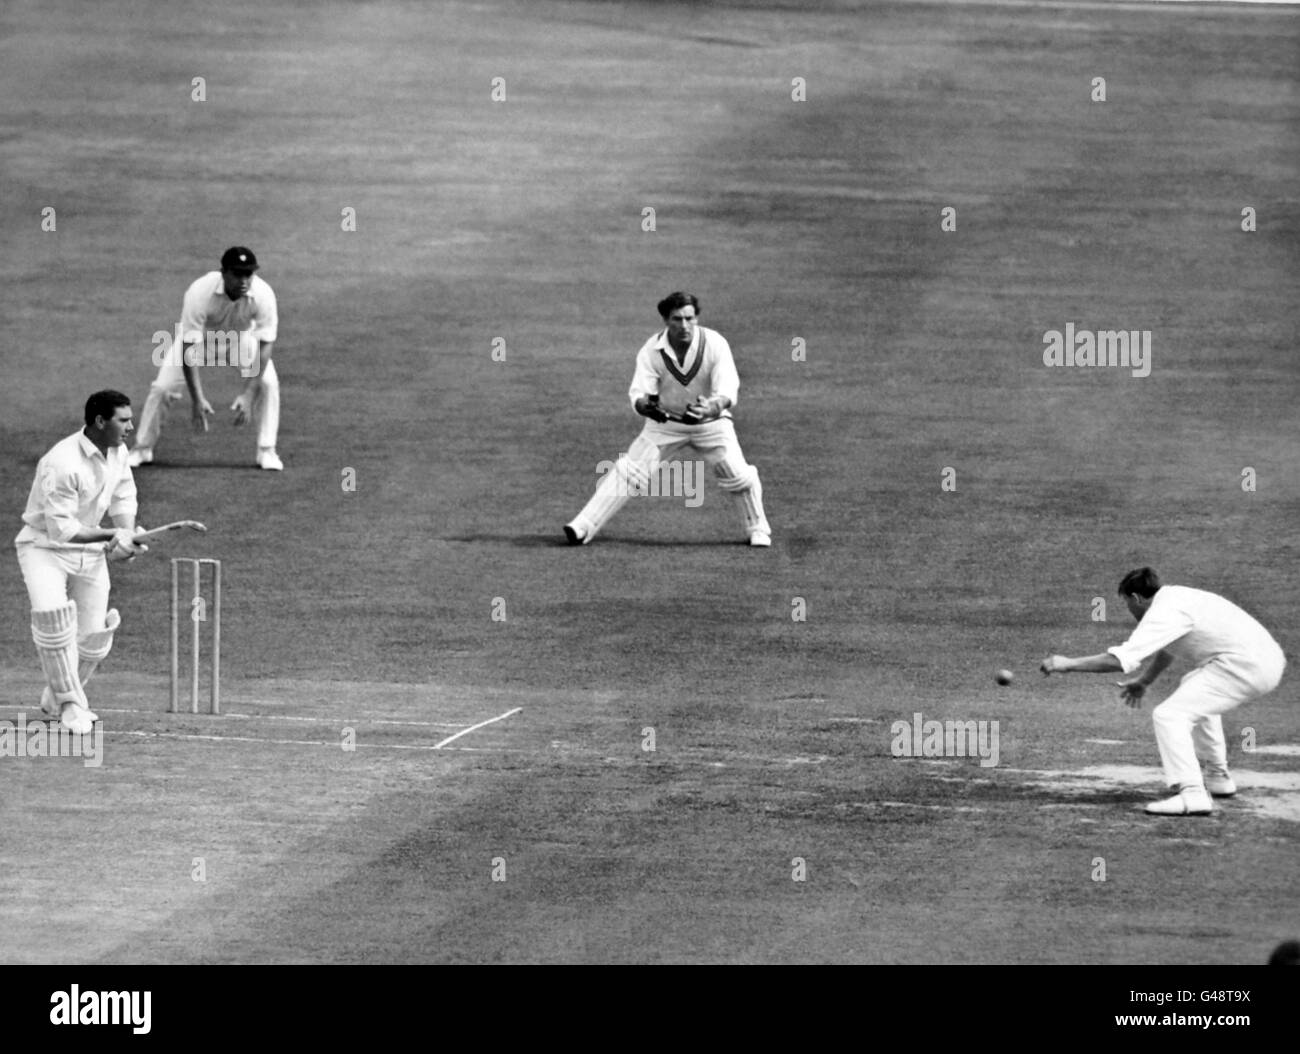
(1197, 626)
(207, 309)
(707, 369)
(75, 486)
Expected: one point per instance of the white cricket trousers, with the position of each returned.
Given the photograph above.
(1189, 724)
(55, 576)
(715, 442)
(169, 387)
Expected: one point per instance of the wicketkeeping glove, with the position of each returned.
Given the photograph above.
(648, 406)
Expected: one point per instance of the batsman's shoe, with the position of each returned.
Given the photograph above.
(140, 455)
(760, 539)
(50, 708)
(1220, 785)
(77, 719)
(269, 460)
(1192, 802)
(576, 535)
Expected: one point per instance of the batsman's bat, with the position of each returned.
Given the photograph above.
(166, 528)
(179, 525)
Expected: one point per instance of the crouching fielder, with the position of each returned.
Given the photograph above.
(1234, 660)
(685, 385)
(63, 554)
(228, 317)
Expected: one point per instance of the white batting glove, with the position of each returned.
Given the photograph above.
(124, 546)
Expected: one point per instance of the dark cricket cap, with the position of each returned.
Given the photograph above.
(237, 258)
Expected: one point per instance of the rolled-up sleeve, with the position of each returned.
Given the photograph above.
(62, 493)
(194, 319)
(124, 501)
(1160, 627)
(268, 316)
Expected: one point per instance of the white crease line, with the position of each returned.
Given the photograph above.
(472, 728)
(284, 717)
(307, 742)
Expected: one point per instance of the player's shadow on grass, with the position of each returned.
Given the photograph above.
(1045, 794)
(547, 541)
(668, 543)
(167, 465)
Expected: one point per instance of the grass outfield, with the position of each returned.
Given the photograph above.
(520, 221)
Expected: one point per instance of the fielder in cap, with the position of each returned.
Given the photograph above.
(228, 318)
(1233, 658)
(63, 556)
(685, 385)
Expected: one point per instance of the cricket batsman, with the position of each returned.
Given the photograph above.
(63, 554)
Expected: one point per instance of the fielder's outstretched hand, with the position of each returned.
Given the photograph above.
(199, 414)
(1132, 692)
(242, 408)
(1054, 664)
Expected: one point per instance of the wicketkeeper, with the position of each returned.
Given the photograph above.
(685, 386)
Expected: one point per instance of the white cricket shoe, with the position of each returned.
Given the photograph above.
(269, 460)
(140, 455)
(760, 538)
(77, 719)
(576, 535)
(1220, 784)
(1191, 802)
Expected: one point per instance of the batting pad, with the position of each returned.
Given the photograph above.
(94, 647)
(630, 474)
(741, 480)
(735, 477)
(55, 632)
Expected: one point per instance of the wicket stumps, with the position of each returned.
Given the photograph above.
(200, 612)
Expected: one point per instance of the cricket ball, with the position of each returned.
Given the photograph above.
(1004, 677)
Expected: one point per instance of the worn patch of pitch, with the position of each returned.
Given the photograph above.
(1275, 795)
